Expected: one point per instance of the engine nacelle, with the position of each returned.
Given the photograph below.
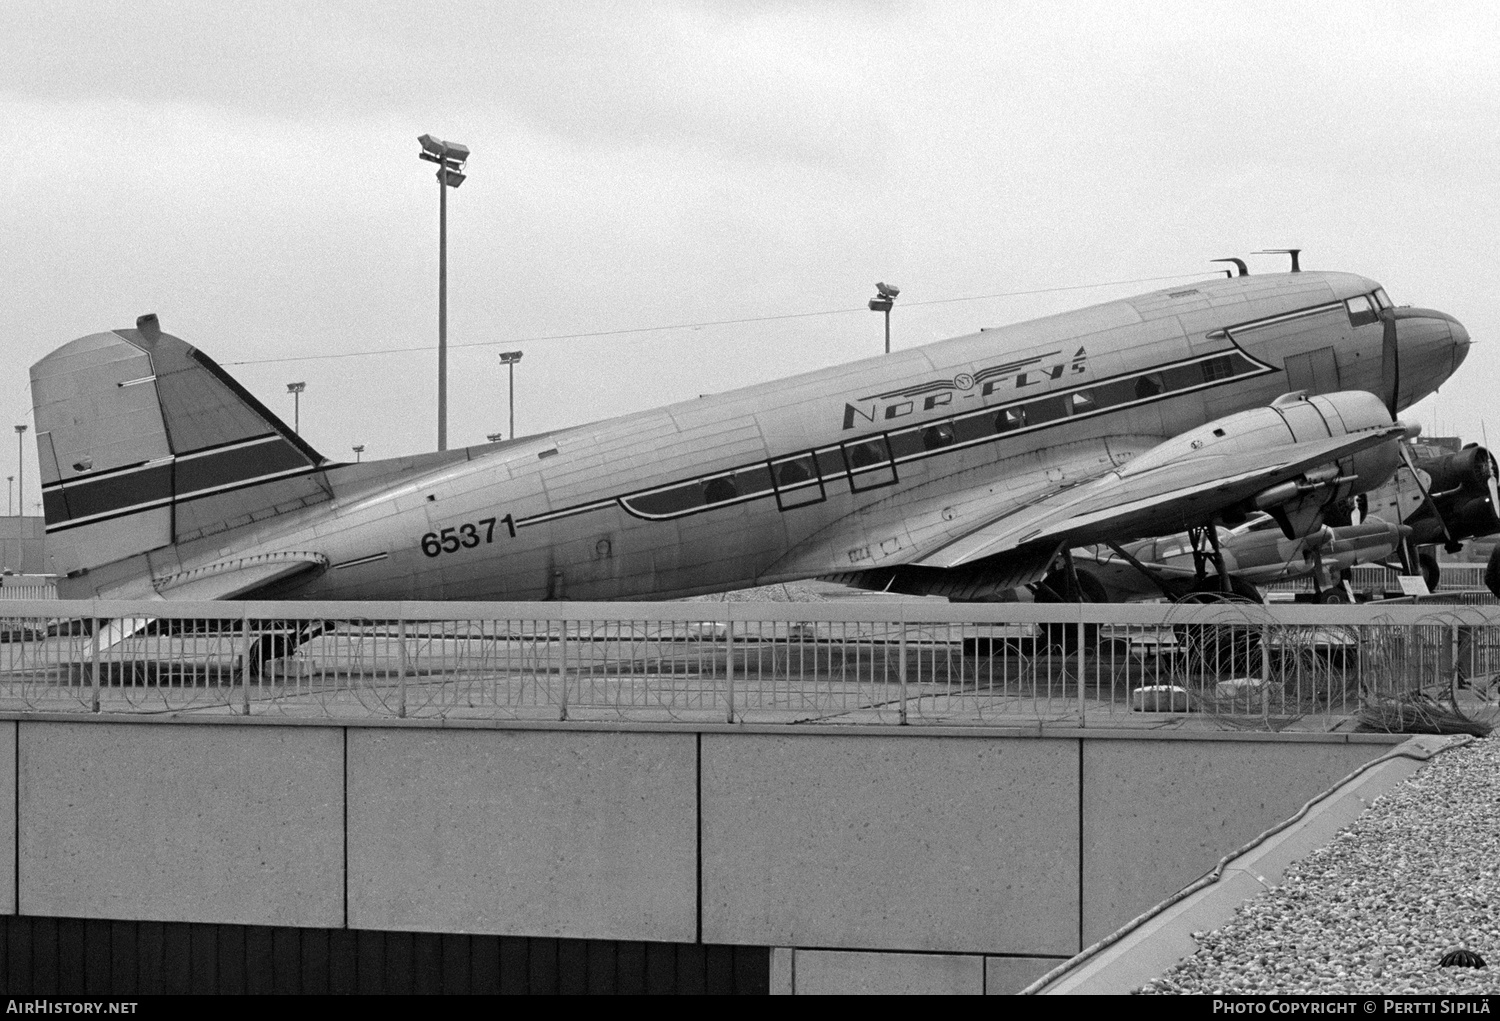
(1470, 469)
(1298, 505)
(1463, 486)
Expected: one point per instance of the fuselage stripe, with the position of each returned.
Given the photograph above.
(852, 473)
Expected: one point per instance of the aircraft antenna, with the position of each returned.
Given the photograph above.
(1239, 264)
(1293, 252)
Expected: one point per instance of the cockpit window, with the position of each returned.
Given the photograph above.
(1361, 311)
(1380, 299)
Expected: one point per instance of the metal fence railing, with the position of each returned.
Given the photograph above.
(28, 586)
(1465, 581)
(848, 661)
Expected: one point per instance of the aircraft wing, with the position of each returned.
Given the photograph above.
(1123, 504)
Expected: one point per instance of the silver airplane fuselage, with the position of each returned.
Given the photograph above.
(835, 470)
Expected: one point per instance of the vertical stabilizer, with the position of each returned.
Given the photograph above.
(145, 442)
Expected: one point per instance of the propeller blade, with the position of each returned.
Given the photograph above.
(1390, 366)
(1494, 487)
(1411, 466)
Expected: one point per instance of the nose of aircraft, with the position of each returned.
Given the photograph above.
(1430, 346)
(1460, 341)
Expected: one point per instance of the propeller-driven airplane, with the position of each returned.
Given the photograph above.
(1255, 553)
(1443, 499)
(962, 468)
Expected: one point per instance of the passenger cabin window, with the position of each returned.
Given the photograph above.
(869, 462)
(940, 435)
(1361, 311)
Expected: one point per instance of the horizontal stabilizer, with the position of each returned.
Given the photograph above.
(232, 579)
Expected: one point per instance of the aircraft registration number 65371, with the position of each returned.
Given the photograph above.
(464, 536)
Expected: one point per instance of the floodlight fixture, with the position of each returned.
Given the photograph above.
(20, 469)
(295, 389)
(450, 158)
(885, 297)
(494, 437)
(509, 359)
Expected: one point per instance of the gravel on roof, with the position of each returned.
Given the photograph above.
(1415, 876)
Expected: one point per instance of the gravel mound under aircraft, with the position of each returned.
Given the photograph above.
(962, 468)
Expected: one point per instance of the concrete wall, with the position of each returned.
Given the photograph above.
(1008, 851)
(1153, 823)
(909, 842)
(584, 833)
(182, 823)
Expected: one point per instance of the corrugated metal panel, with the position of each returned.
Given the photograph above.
(77, 956)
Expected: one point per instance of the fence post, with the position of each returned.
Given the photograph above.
(95, 656)
(729, 661)
(1265, 675)
(562, 668)
(401, 665)
(901, 667)
(1453, 657)
(245, 659)
(1081, 661)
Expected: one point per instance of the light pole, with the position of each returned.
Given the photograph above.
(450, 158)
(509, 358)
(295, 389)
(20, 470)
(882, 302)
(359, 449)
(10, 495)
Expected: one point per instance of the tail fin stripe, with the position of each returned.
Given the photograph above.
(148, 484)
(236, 464)
(144, 485)
(136, 506)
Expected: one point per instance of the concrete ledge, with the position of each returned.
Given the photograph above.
(1062, 730)
(1163, 940)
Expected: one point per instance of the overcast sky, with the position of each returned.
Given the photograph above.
(249, 173)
